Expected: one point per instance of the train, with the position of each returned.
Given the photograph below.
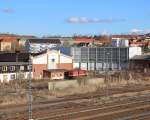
(76, 73)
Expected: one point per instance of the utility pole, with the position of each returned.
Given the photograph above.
(17, 69)
(30, 99)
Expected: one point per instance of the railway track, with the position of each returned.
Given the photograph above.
(99, 112)
(81, 104)
(72, 111)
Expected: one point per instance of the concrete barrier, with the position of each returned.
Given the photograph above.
(53, 85)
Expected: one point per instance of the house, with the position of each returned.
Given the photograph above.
(140, 62)
(83, 41)
(50, 59)
(123, 40)
(10, 42)
(102, 40)
(54, 74)
(13, 66)
(126, 36)
(37, 45)
(119, 42)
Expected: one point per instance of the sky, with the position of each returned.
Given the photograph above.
(69, 17)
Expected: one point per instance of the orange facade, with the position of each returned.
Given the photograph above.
(37, 70)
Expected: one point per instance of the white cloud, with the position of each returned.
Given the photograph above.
(7, 10)
(135, 30)
(80, 20)
(147, 31)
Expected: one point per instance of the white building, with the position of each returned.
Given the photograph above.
(120, 42)
(50, 60)
(14, 66)
(133, 51)
(36, 45)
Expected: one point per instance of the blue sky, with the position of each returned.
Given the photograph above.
(67, 17)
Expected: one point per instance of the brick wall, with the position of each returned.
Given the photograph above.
(67, 66)
(38, 70)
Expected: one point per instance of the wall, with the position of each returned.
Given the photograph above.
(53, 59)
(37, 70)
(60, 61)
(118, 42)
(65, 59)
(133, 51)
(57, 75)
(100, 58)
(2, 79)
(66, 66)
(73, 83)
(39, 63)
(41, 59)
(5, 46)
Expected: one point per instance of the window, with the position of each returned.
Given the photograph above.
(12, 68)
(53, 75)
(5, 77)
(61, 74)
(13, 77)
(21, 67)
(4, 68)
(21, 76)
(53, 60)
(29, 67)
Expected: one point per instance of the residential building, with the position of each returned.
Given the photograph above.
(10, 42)
(140, 63)
(83, 41)
(37, 45)
(13, 66)
(118, 42)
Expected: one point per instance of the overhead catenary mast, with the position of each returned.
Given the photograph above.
(29, 86)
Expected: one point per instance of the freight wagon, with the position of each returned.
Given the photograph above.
(75, 73)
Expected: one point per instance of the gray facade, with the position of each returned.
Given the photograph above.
(100, 58)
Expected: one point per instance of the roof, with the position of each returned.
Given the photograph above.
(125, 36)
(8, 38)
(55, 70)
(13, 57)
(14, 63)
(45, 40)
(12, 37)
(141, 57)
(63, 50)
(83, 40)
(36, 54)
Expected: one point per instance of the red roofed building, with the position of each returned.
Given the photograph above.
(9, 42)
(79, 40)
(125, 36)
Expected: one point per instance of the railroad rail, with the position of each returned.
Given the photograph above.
(81, 104)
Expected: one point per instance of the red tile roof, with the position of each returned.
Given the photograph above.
(84, 40)
(126, 36)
